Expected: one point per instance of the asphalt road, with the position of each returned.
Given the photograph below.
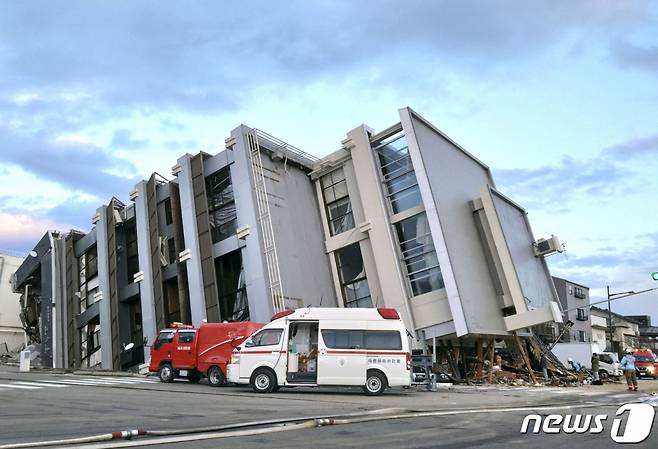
(39, 406)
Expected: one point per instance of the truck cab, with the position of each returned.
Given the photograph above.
(645, 363)
(174, 353)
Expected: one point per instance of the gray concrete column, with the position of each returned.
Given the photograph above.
(146, 298)
(190, 232)
(104, 288)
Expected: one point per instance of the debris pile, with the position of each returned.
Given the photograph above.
(515, 360)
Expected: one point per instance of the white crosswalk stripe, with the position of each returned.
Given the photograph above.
(35, 384)
(71, 381)
(22, 387)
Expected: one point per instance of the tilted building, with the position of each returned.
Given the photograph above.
(402, 218)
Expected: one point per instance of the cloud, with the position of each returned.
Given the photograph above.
(556, 188)
(206, 56)
(625, 269)
(638, 147)
(123, 140)
(70, 162)
(629, 55)
(20, 232)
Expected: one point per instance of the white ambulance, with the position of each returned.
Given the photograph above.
(325, 346)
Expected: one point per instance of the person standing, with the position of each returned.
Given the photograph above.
(628, 365)
(595, 366)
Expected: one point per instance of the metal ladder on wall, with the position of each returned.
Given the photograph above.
(265, 219)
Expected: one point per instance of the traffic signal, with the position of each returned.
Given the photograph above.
(654, 275)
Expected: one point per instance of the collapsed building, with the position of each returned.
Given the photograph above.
(402, 218)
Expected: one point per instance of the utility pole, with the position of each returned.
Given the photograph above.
(612, 348)
(620, 295)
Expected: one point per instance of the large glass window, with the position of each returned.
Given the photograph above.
(221, 205)
(419, 255)
(233, 304)
(337, 201)
(401, 186)
(352, 274)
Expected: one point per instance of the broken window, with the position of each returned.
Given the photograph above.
(232, 289)
(337, 201)
(401, 186)
(352, 274)
(418, 254)
(221, 205)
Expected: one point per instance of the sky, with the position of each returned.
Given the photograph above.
(559, 98)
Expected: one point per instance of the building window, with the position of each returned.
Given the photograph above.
(337, 201)
(132, 258)
(579, 293)
(232, 289)
(171, 251)
(91, 262)
(582, 315)
(135, 312)
(221, 205)
(169, 218)
(418, 254)
(88, 272)
(581, 336)
(401, 186)
(352, 275)
(90, 344)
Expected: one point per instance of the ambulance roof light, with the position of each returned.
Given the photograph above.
(388, 314)
(282, 314)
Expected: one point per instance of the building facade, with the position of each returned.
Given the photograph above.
(12, 336)
(625, 331)
(648, 333)
(402, 218)
(574, 299)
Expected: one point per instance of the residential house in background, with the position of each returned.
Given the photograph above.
(599, 330)
(625, 331)
(648, 333)
(403, 218)
(12, 337)
(574, 299)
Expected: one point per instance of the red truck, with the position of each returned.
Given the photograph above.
(184, 351)
(645, 363)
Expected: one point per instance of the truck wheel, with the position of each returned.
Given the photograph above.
(603, 374)
(194, 376)
(375, 383)
(216, 377)
(263, 381)
(166, 373)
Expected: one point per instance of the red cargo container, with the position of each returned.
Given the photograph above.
(183, 351)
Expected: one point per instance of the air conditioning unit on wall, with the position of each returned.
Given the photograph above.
(546, 247)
